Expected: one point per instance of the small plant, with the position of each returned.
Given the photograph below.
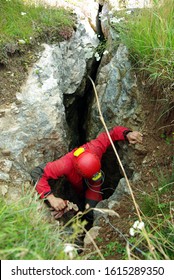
(168, 139)
(166, 180)
(99, 239)
(113, 247)
(100, 50)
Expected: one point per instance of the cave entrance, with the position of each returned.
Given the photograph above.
(77, 110)
(110, 167)
(76, 114)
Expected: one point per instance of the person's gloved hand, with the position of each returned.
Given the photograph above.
(134, 137)
(58, 214)
(69, 206)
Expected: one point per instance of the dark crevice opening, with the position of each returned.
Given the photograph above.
(77, 112)
(100, 34)
(83, 104)
(77, 107)
(110, 167)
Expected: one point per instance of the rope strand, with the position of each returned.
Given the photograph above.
(122, 168)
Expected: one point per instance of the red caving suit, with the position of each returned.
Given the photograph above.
(64, 166)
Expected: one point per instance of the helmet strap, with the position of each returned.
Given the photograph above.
(94, 183)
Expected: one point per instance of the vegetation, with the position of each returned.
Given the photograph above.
(25, 232)
(157, 210)
(22, 22)
(149, 35)
(27, 235)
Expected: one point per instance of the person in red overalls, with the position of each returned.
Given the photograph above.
(82, 164)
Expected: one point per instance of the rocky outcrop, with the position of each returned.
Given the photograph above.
(117, 92)
(34, 128)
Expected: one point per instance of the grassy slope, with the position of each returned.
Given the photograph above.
(149, 36)
(22, 21)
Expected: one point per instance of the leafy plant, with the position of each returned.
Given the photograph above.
(168, 139)
(113, 247)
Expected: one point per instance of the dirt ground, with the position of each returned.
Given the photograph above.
(16, 60)
(158, 144)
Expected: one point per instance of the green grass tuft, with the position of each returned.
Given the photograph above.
(27, 234)
(22, 19)
(149, 35)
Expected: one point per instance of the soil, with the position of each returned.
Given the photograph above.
(14, 72)
(158, 144)
(16, 61)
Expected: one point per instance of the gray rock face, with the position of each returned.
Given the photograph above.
(34, 128)
(74, 57)
(117, 91)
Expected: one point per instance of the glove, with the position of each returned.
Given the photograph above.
(69, 206)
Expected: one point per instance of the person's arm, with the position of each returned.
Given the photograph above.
(118, 133)
(102, 142)
(53, 170)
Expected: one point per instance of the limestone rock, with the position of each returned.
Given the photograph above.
(34, 128)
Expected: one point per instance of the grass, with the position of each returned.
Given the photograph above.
(157, 212)
(26, 233)
(23, 20)
(160, 230)
(149, 35)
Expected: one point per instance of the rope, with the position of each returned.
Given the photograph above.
(122, 168)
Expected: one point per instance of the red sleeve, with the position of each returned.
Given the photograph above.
(53, 170)
(102, 142)
(62, 166)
